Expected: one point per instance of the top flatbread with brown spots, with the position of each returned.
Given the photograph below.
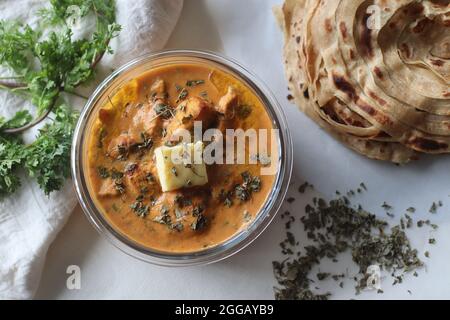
(375, 74)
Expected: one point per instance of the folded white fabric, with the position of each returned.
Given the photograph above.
(29, 220)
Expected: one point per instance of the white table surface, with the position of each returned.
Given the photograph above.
(247, 31)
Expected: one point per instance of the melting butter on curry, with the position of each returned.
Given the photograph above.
(144, 115)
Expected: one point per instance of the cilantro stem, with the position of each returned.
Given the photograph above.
(12, 85)
(79, 95)
(11, 78)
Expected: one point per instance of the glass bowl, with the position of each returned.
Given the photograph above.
(243, 237)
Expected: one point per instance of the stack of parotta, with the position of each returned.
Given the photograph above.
(375, 74)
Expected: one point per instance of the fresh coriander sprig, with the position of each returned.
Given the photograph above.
(11, 157)
(62, 63)
(47, 159)
(42, 68)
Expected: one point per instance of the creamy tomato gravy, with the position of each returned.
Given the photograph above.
(143, 115)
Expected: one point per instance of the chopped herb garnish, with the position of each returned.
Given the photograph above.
(421, 223)
(290, 199)
(409, 221)
(243, 111)
(335, 227)
(226, 197)
(139, 208)
(197, 211)
(247, 216)
(119, 186)
(130, 168)
(146, 142)
(435, 206)
(242, 193)
(193, 83)
(250, 184)
(122, 151)
(199, 223)
(183, 95)
(181, 201)
(228, 202)
(150, 178)
(177, 226)
(179, 214)
(115, 174)
(164, 217)
(323, 275)
(103, 172)
(304, 186)
(163, 110)
(163, 132)
(386, 206)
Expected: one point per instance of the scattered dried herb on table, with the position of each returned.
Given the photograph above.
(335, 227)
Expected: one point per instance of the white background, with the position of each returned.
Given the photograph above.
(247, 31)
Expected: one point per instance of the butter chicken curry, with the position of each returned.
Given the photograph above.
(173, 208)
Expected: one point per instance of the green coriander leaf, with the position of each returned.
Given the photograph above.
(20, 119)
(11, 156)
(44, 67)
(48, 158)
(16, 43)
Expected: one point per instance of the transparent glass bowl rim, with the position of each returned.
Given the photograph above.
(238, 241)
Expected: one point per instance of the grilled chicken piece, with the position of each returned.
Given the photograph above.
(228, 103)
(158, 88)
(108, 188)
(120, 146)
(106, 115)
(138, 178)
(189, 111)
(147, 120)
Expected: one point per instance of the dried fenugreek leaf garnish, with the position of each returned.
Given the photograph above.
(335, 227)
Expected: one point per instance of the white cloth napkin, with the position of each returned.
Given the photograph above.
(29, 220)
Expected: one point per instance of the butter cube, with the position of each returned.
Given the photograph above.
(176, 166)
